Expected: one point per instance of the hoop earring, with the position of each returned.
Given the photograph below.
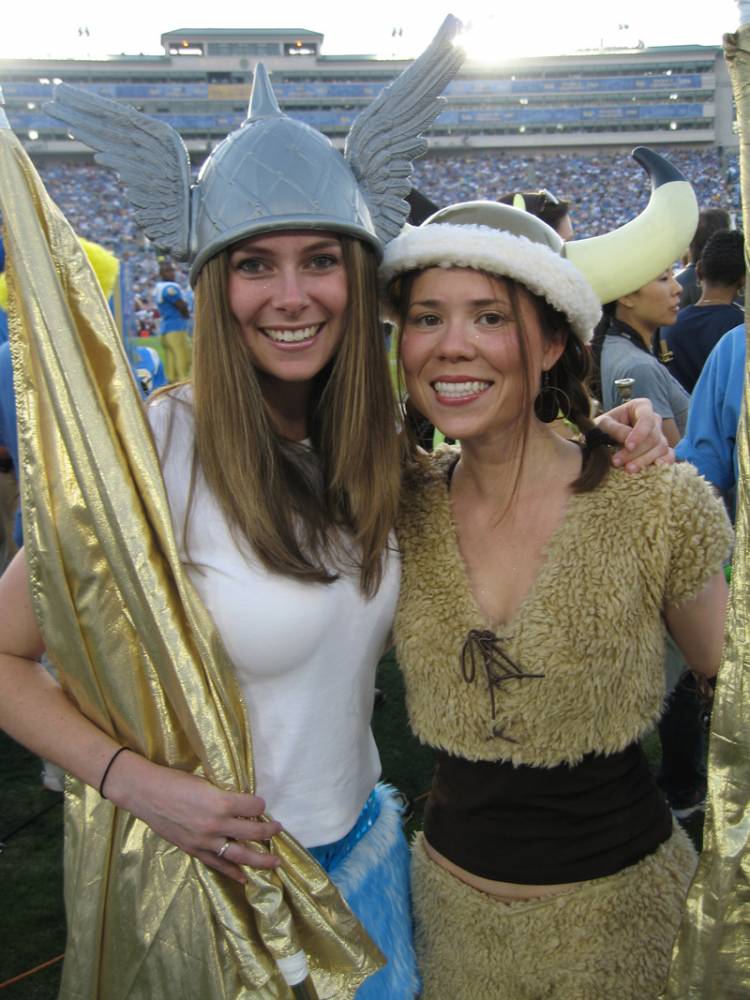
(554, 402)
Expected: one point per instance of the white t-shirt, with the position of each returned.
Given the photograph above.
(305, 653)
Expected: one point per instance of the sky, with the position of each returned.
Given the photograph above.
(95, 29)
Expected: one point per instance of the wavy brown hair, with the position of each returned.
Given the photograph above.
(286, 508)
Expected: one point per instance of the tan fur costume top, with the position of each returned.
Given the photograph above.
(591, 623)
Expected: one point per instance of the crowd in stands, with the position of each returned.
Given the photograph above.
(94, 202)
(605, 189)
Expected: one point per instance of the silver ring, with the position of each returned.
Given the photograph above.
(223, 849)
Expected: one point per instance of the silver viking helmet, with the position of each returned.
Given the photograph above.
(575, 277)
(273, 172)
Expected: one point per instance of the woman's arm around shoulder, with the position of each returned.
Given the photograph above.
(184, 809)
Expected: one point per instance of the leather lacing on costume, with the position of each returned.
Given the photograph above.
(498, 668)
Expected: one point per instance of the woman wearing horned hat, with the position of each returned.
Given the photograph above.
(537, 583)
(282, 468)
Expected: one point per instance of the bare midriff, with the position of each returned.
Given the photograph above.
(505, 892)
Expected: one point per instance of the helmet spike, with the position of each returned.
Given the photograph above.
(263, 103)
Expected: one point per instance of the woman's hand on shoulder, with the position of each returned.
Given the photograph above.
(636, 427)
(209, 824)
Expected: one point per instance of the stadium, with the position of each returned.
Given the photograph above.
(674, 95)
(565, 123)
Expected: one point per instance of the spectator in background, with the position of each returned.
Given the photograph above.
(721, 273)
(545, 206)
(148, 370)
(715, 406)
(607, 190)
(10, 515)
(9, 440)
(710, 221)
(189, 296)
(175, 315)
(621, 349)
(710, 445)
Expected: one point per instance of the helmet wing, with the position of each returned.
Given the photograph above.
(148, 155)
(387, 136)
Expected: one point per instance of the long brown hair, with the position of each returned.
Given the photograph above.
(287, 510)
(567, 376)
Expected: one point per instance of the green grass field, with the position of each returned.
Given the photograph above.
(32, 920)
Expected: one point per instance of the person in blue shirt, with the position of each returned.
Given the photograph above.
(8, 448)
(715, 407)
(148, 370)
(3, 314)
(709, 444)
(175, 316)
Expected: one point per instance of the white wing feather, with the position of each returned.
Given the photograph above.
(387, 136)
(148, 155)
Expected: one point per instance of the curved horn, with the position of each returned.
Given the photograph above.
(629, 257)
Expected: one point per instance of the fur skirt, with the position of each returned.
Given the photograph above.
(374, 880)
(610, 937)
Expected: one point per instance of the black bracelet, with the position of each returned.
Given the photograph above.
(112, 759)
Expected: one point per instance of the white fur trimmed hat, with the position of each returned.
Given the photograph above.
(573, 277)
(500, 240)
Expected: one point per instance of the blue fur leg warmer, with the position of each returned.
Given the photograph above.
(374, 880)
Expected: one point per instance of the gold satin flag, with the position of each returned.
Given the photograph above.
(139, 655)
(711, 959)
